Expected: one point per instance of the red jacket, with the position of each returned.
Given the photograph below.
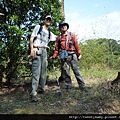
(63, 38)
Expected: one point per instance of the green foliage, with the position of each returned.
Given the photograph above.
(16, 24)
(12, 50)
(101, 51)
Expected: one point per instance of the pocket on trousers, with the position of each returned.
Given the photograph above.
(38, 52)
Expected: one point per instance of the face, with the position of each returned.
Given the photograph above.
(48, 21)
(64, 28)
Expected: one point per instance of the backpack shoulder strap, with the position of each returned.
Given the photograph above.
(40, 29)
(71, 38)
(49, 34)
(70, 35)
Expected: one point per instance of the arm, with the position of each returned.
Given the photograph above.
(34, 34)
(77, 48)
(32, 53)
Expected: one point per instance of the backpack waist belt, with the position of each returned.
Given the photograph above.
(71, 52)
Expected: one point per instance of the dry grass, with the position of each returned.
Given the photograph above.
(101, 100)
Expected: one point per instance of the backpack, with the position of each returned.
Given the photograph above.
(71, 39)
(39, 31)
(63, 52)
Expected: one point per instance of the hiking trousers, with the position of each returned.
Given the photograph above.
(39, 72)
(72, 62)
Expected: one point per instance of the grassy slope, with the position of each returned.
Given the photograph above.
(101, 100)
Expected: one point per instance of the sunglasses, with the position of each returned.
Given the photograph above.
(48, 19)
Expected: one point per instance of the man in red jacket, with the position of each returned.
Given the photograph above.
(69, 50)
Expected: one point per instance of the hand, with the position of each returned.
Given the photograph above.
(52, 57)
(79, 57)
(32, 54)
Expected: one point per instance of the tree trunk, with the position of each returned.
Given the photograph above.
(62, 8)
(116, 80)
(1, 76)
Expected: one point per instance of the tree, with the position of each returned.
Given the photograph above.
(100, 51)
(16, 24)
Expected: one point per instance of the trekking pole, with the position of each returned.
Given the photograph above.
(58, 91)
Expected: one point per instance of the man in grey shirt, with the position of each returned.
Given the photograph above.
(38, 53)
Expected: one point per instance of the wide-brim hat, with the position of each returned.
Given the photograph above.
(62, 24)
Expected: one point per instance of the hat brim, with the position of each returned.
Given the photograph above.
(64, 24)
(48, 16)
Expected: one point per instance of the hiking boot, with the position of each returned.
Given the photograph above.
(34, 99)
(41, 91)
(84, 89)
(60, 79)
(68, 88)
(58, 92)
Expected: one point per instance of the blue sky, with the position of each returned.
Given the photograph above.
(93, 18)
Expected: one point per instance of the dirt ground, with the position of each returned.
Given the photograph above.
(103, 99)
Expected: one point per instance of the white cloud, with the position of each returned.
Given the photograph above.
(100, 4)
(97, 5)
(106, 26)
(114, 17)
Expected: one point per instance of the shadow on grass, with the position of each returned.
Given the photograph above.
(100, 101)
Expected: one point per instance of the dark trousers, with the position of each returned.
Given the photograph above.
(72, 62)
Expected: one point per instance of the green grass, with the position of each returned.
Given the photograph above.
(100, 101)
(99, 72)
